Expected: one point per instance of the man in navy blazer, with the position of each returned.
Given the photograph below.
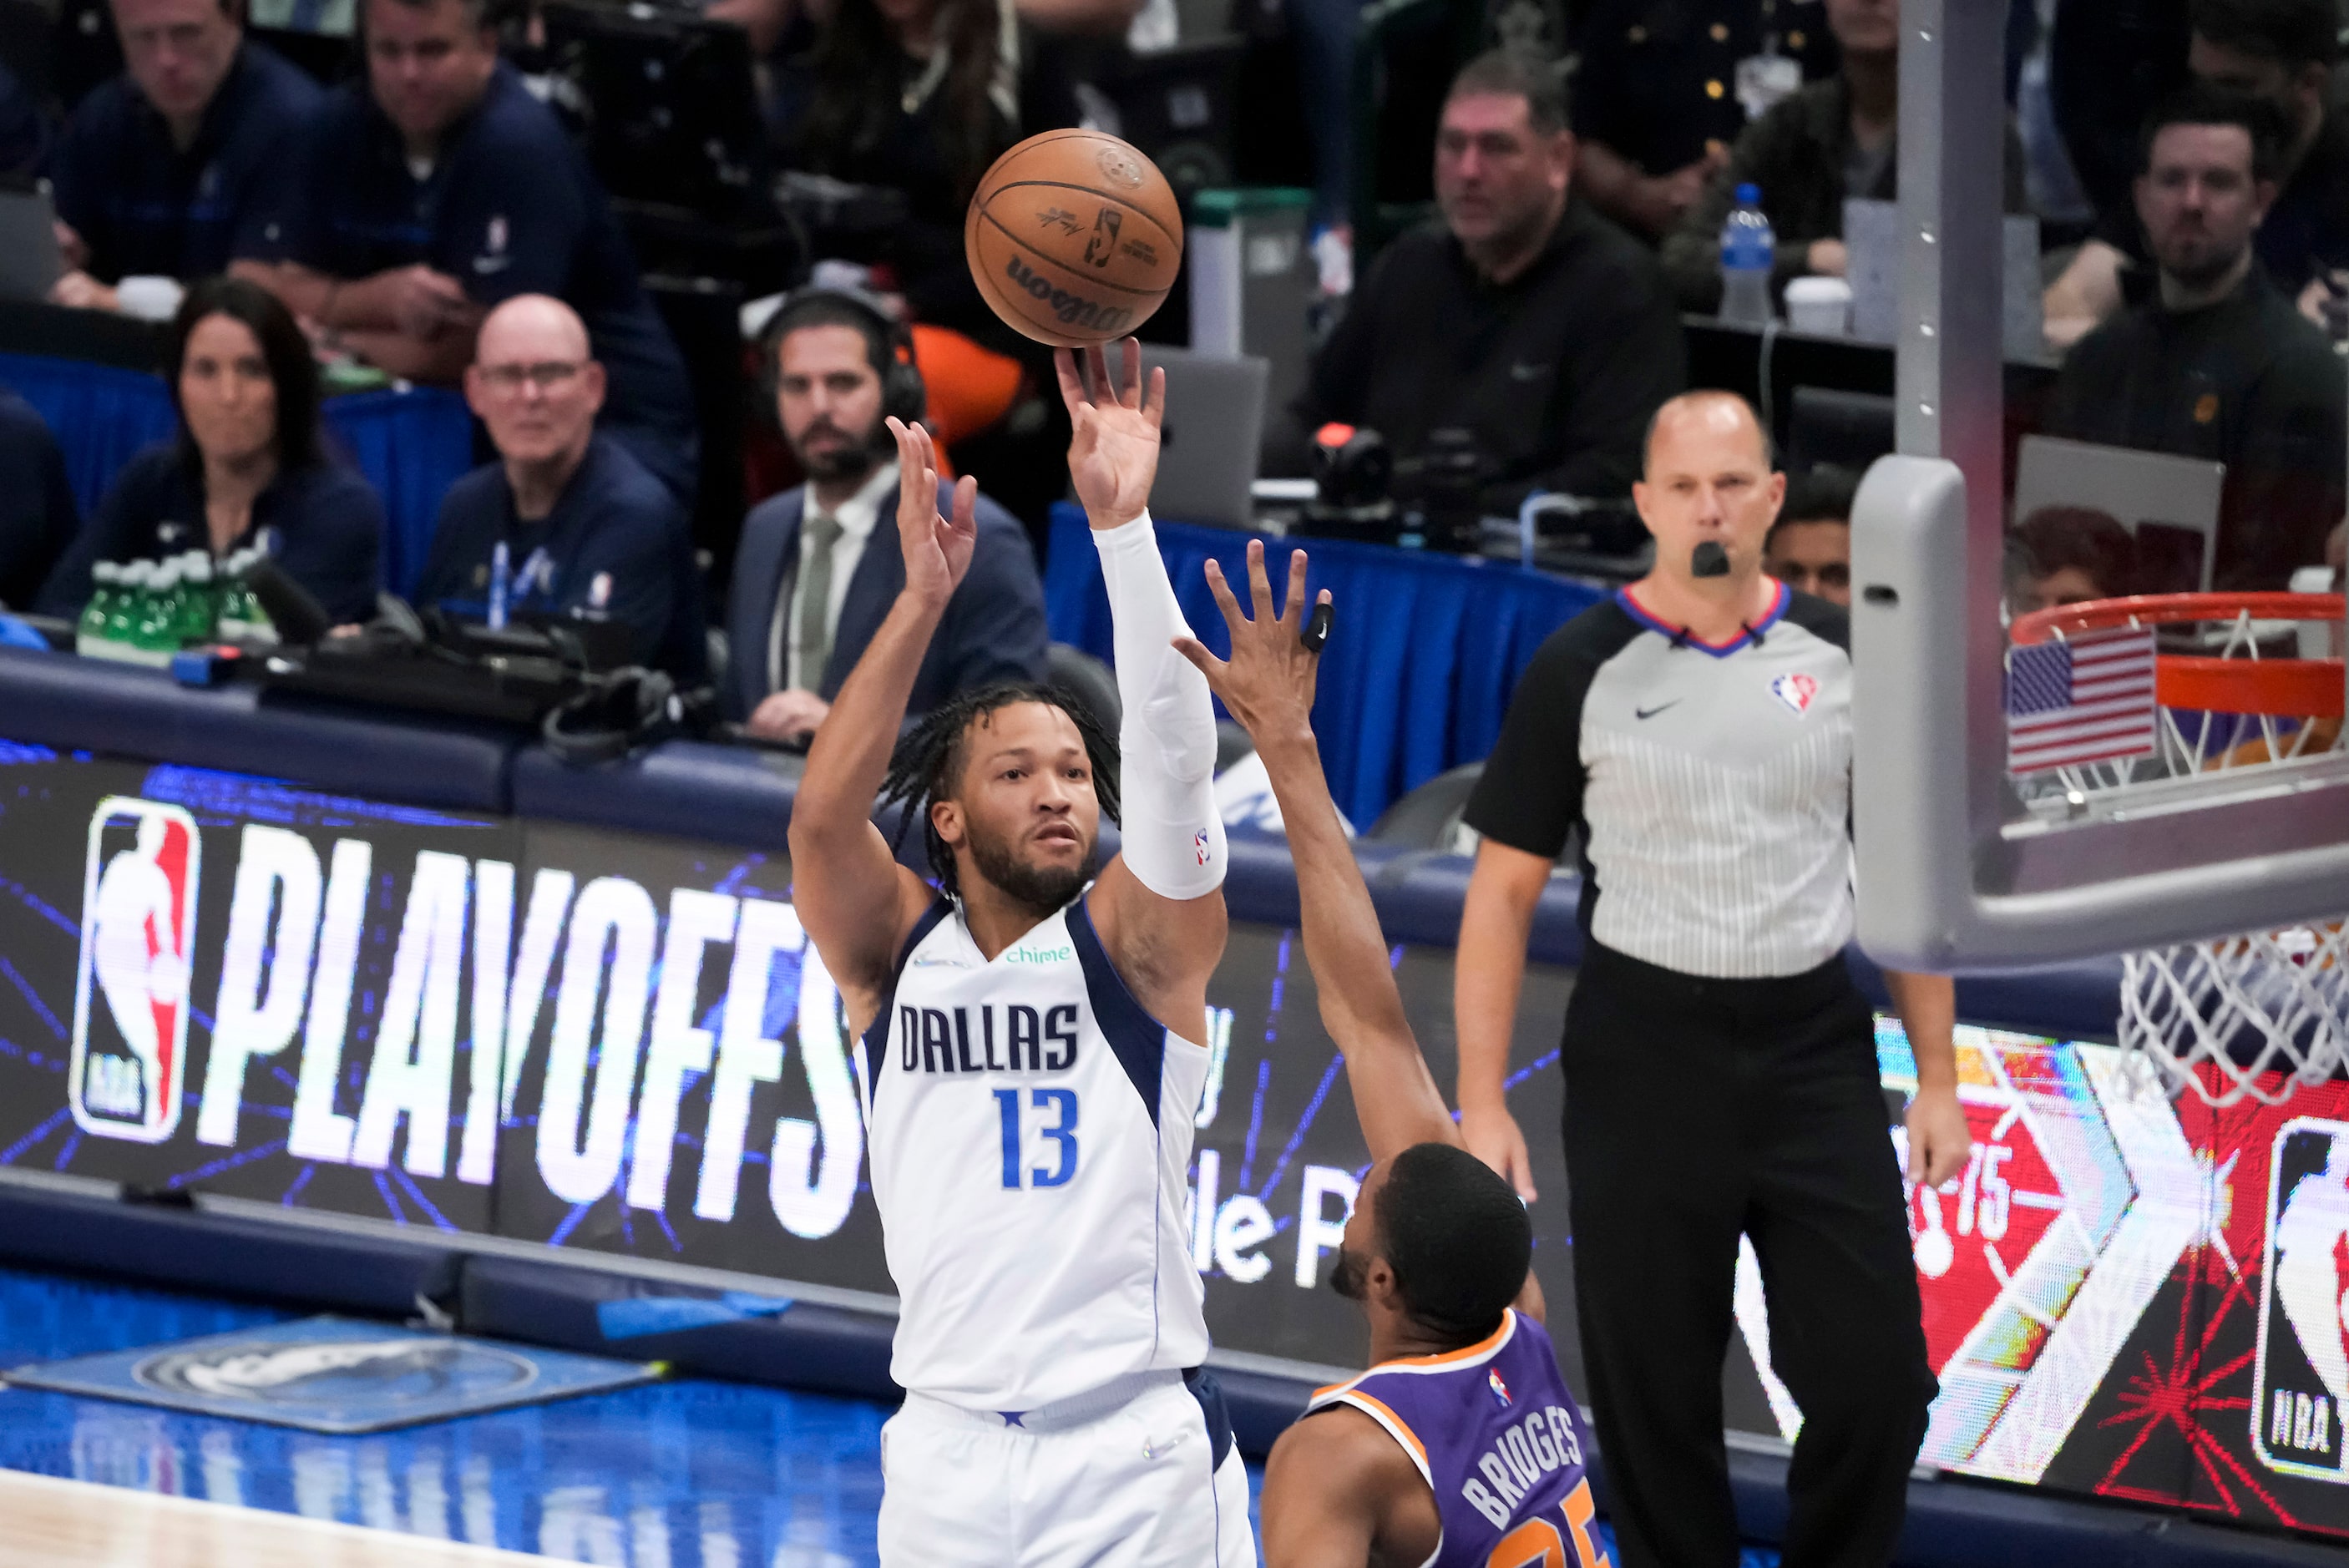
(818, 567)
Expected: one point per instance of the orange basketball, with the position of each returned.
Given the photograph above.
(1074, 238)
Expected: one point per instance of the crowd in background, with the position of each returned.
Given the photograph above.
(2187, 162)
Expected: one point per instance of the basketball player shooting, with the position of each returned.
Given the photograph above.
(1461, 1445)
(1029, 1060)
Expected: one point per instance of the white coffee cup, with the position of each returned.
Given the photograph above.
(1821, 306)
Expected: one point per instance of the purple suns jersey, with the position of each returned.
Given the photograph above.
(1494, 1430)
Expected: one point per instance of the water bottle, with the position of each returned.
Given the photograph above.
(159, 628)
(1748, 248)
(199, 608)
(242, 618)
(106, 586)
(129, 608)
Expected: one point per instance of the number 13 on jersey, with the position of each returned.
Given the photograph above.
(1539, 1544)
(1051, 1113)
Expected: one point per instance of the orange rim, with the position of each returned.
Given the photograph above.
(2281, 688)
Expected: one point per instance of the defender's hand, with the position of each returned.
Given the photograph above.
(1939, 1139)
(1114, 452)
(1268, 683)
(937, 549)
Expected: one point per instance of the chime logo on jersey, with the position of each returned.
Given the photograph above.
(128, 1074)
(2299, 1389)
(1796, 690)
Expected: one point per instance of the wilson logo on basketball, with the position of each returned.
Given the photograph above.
(1071, 310)
(128, 1074)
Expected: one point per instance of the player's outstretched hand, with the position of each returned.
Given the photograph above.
(1268, 683)
(1113, 449)
(938, 547)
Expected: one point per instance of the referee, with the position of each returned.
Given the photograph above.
(1720, 1065)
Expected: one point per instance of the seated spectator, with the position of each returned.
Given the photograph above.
(2219, 365)
(249, 465)
(1809, 547)
(37, 515)
(440, 187)
(1520, 315)
(1661, 94)
(179, 164)
(1832, 140)
(807, 596)
(920, 97)
(586, 529)
(2282, 52)
(2067, 555)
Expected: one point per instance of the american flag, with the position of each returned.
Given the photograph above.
(2090, 699)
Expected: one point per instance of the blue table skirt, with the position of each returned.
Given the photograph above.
(1422, 656)
(412, 444)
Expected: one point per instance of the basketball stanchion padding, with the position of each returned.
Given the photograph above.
(1073, 238)
(2249, 680)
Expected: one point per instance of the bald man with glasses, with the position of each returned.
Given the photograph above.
(566, 521)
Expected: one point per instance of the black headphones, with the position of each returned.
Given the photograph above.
(611, 715)
(903, 396)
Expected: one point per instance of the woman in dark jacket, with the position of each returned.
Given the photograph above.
(247, 466)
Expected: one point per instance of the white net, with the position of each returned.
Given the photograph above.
(2260, 1015)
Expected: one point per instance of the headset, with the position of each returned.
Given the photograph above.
(903, 396)
(613, 715)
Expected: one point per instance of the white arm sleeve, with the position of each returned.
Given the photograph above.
(1174, 837)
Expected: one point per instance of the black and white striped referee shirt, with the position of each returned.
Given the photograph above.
(1712, 784)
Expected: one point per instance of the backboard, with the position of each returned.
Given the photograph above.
(1953, 872)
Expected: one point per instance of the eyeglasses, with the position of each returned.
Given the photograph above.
(547, 375)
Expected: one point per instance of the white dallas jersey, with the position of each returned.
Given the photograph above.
(1029, 1132)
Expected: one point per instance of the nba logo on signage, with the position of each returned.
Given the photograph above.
(2301, 1389)
(130, 1002)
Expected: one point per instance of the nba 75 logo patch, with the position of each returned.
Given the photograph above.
(130, 1002)
(2301, 1389)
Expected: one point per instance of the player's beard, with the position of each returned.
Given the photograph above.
(1351, 1275)
(1041, 889)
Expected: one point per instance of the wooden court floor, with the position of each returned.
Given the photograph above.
(46, 1522)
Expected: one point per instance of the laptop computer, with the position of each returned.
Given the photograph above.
(2169, 503)
(1209, 443)
(30, 262)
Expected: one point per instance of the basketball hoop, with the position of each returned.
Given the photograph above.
(2242, 681)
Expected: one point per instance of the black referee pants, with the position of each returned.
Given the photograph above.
(1697, 1110)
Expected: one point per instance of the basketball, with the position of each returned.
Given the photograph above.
(1074, 238)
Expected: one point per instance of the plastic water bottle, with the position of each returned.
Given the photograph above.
(1748, 249)
(129, 608)
(199, 608)
(159, 628)
(106, 586)
(242, 618)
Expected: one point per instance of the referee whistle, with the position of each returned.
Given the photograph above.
(1709, 559)
(1316, 628)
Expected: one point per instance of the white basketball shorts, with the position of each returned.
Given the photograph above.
(1134, 1477)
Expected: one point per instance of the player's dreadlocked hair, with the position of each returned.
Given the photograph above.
(930, 757)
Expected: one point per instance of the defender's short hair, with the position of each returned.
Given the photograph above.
(1457, 1236)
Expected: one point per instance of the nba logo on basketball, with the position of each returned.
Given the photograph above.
(2300, 1386)
(130, 1002)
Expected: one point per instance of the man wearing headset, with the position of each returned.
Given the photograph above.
(813, 577)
